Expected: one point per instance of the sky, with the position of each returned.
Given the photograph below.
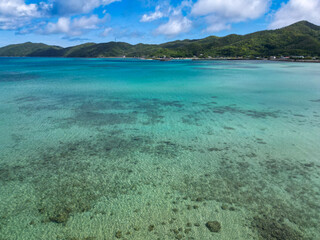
(72, 22)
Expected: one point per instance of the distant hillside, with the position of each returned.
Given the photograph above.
(302, 38)
(26, 49)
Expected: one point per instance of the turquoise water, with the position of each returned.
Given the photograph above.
(132, 149)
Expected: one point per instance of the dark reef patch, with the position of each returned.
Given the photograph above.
(68, 180)
(111, 104)
(239, 184)
(31, 108)
(101, 111)
(100, 119)
(66, 196)
(228, 128)
(213, 226)
(71, 177)
(251, 113)
(17, 138)
(273, 229)
(192, 119)
(10, 173)
(299, 115)
(277, 167)
(113, 111)
(27, 99)
(153, 117)
(17, 76)
(215, 149)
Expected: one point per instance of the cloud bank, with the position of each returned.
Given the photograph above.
(220, 14)
(175, 26)
(15, 13)
(177, 22)
(74, 27)
(71, 7)
(68, 17)
(73, 18)
(297, 10)
(152, 16)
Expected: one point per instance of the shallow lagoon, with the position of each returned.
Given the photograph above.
(132, 149)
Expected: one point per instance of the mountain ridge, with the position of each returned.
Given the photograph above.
(301, 38)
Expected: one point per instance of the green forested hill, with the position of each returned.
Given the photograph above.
(302, 38)
(26, 49)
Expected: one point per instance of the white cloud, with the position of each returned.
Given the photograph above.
(216, 25)
(87, 22)
(177, 23)
(106, 32)
(185, 4)
(219, 14)
(26, 18)
(18, 8)
(62, 26)
(153, 16)
(8, 23)
(74, 27)
(15, 13)
(107, 2)
(69, 7)
(297, 10)
(175, 26)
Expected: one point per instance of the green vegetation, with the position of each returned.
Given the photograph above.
(299, 39)
(26, 49)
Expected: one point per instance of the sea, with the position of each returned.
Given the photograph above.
(106, 149)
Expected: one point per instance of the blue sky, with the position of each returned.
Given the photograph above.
(72, 22)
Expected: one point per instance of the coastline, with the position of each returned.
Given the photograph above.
(172, 59)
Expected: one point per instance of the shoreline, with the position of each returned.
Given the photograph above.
(172, 59)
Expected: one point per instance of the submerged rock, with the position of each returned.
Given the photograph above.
(136, 228)
(60, 218)
(118, 234)
(232, 209)
(213, 226)
(175, 231)
(179, 236)
(151, 228)
(224, 207)
(175, 210)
